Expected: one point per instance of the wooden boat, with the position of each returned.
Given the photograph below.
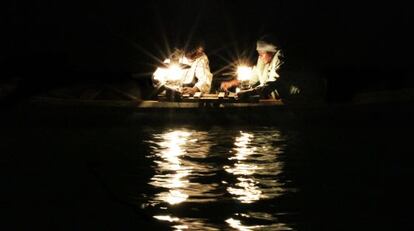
(214, 108)
(208, 107)
(206, 101)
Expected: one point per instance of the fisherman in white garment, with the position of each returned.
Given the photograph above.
(196, 78)
(266, 73)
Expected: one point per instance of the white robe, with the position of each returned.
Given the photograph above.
(199, 68)
(263, 73)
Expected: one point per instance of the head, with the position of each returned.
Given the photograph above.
(266, 48)
(176, 55)
(194, 49)
(266, 56)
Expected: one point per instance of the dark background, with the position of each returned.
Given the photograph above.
(354, 46)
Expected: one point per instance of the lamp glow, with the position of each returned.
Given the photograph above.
(174, 73)
(244, 73)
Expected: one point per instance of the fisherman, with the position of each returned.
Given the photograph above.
(266, 79)
(195, 76)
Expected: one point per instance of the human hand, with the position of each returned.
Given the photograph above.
(225, 85)
(189, 90)
(229, 84)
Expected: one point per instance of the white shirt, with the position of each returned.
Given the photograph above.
(199, 68)
(264, 73)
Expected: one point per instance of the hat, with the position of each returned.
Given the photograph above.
(265, 46)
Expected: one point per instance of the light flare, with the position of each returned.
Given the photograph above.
(244, 73)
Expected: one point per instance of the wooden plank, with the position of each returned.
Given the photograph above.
(210, 101)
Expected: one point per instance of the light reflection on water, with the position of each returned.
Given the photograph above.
(172, 173)
(216, 179)
(256, 168)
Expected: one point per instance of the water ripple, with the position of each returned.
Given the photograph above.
(210, 172)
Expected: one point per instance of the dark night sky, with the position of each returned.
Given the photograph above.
(343, 42)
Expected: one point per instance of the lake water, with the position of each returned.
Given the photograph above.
(103, 174)
(219, 178)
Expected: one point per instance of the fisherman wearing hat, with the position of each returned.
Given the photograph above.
(266, 73)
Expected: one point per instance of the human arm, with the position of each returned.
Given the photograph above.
(203, 75)
(276, 66)
(229, 84)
